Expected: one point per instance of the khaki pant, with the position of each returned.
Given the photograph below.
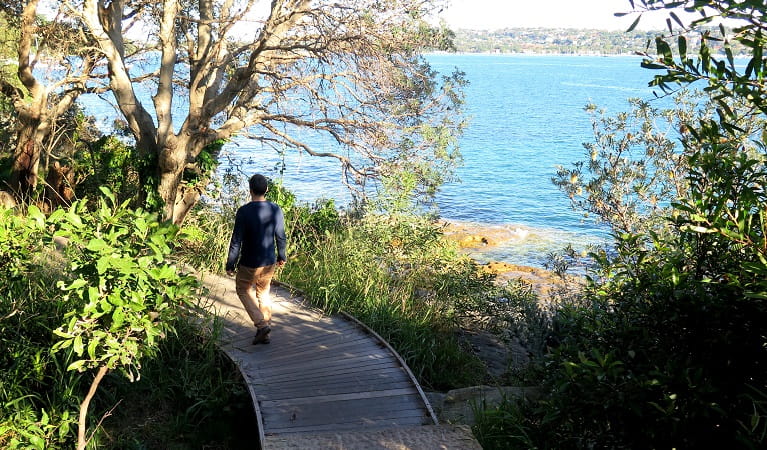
(256, 281)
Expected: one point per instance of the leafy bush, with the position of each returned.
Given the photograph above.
(115, 299)
(668, 347)
(36, 406)
(108, 161)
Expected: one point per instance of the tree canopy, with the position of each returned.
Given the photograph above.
(190, 75)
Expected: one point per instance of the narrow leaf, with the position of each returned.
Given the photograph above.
(682, 43)
(676, 19)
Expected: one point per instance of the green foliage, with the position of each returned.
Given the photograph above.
(716, 68)
(426, 155)
(634, 168)
(110, 162)
(119, 297)
(125, 291)
(725, 213)
(502, 427)
(35, 391)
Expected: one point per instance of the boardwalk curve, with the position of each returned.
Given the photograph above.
(327, 381)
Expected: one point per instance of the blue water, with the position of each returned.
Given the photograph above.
(526, 118)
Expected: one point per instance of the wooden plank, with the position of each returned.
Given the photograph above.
(348, 374)
(356, 406)
(361, 409)
(286, 342)
(346, 361)
(361, 424)
(348, 416)
(329, 398)
(279, 350)
(318, 365)
(349, 356)
(384, 379)
(297, 316)
(314, 326)
(402, 362)
(307, 354)
(299, 335)
(366, 366)
(317, 391)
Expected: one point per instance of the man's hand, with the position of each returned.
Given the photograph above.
(280, 263)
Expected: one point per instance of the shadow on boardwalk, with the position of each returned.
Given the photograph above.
(327, 381)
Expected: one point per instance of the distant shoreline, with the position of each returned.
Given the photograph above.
(743, 59)
(579, 55)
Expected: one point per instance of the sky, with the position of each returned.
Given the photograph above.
(494, 14)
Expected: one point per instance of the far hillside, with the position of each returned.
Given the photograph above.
(569, 41)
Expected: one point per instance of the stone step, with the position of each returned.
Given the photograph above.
(426, 437)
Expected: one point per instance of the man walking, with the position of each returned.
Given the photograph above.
(258, 225)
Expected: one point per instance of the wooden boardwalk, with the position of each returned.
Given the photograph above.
(327, 381)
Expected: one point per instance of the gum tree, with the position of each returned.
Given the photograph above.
(283, 72)
(41, 97)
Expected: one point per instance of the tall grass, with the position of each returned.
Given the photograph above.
(401, 279)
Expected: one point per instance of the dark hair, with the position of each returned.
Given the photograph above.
(258, 184)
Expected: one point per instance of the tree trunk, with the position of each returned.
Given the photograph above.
(81, 440)
(178, 197)
(26, 159)
(170, 166)
(58, 185)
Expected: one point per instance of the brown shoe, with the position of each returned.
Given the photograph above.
(262, 335)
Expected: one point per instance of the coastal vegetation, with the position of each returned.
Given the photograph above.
(666, 347)
(105, 346)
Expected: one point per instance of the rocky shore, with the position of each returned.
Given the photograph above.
(475, 238)
(498, 355)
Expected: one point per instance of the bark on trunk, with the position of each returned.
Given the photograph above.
(171, 163)
(58, 186)
(26, 161)
(82, 442)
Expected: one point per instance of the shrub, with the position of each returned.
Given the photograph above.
(116, 298)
